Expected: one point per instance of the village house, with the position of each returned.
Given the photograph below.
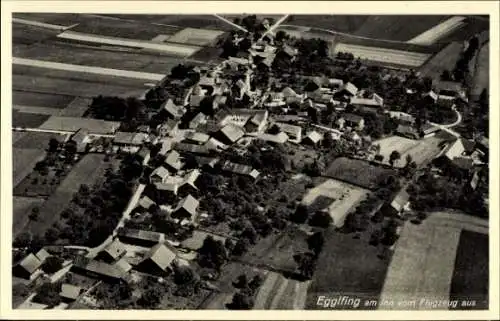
(173, 111)
(129, 142)
(159, 175)
(215, 145)
(240, 169)
(168, 190)
(69, 293)
(111, 273)
(188, 185)
(407, 131)
(145, 203)
(173, 161)
(279, 138)
(186, 209)
(293, 132)
(158, 260)
(398, 205)
(81, 138)
(351, 120)
(140, 237)
(191, 148)
(230, 134)
(112, 252)
(368, 103)
(197, 138)
(27, 267)
(207, 163)
(450, 91)
(257, 122)
(428, 130)
(170, 127)
(454, 154)
(346, 92)
(313, 138)
(197, 120)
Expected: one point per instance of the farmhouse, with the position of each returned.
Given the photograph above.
(240, 169)
(188, 185)
(158, 260)
(346, 92)
(73, 124)
(400, 203)
(168, 190)
(197, 120)
(27, 267)
(145, 203)
(140, 237)
(313, 138)
(279, 138)
(174, 111)
(112, 252)
(428, 130)
(370, 103)
(407, 131)
(197, 138)
(230, 133)
(294, 132)
(112, 273)
(69, 292)
(170, 127)
(450, 90)
(126, 139)
(215, 145)
(257, 122)
(81, 139)
(207, 163)
(173, 161)
(192, 148)
(186, 209)
(159, 175)
(353, 121)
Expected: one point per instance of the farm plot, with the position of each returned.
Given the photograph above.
(97, 56)
(36, 140)
(27, 35)
(481, 75)
(281, 293)
(358, 172)
(28, 120)
(439, 31)
(342, 23)
(425, 258)
(384, 55)
(470, 275)
(276, 251)
(443, 60)
(343, 197)
(184, 21)
(105, 26)
(398, 28)
(471, 27)
(169, 48)
(40, 99)
(193, 36)
(62, 19)
(24, 159)
(346, 266)
(22, 207)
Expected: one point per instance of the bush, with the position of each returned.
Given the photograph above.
(52, 264)
(321, 219)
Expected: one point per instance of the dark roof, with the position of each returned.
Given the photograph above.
(352, 118)
(140, 234)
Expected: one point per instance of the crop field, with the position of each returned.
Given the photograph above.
(342, 23)
(277, 250)
(27, 35)
(437, 32)
(193, 36)
(472, 26)
(30, 120)
(399, 28)
(24, 98)
(22, 207)
(425, 259)
(62, 19)
(343, 197)
(347, 266)
(470, 275)
(183, 21)
(281, 293)
(36, 140)
(87, 55)
(24, 159)
(482, 71)
(122, 28)
(357, 172)
(443, 60)
(383, 55)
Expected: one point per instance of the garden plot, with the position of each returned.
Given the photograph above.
(194, 36)
(343, 198)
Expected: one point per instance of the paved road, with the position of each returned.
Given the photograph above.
(230, 23)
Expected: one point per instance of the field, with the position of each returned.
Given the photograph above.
(28, 35)
(40, 99)
(342, 23)
(470, 276)
(437, 32)
(421, 151)
(481, 76)
(347, 266)
(22, 206)
(191, 21)
(281, 293)
(88, 170)
(423, 263)
(36, 140)
(24, 159)
(61, 19)
(277, 250)
(29, 120)
(357, 172)
(193, 36)
(443, 60)
(343, 198)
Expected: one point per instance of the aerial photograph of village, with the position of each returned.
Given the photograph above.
(250, 161)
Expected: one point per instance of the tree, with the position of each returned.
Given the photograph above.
(34, 214)
(316, 242)
(375, 237)
(52, 264)
(152, 296)
(212, 254)
(305, 264)
(250, 234)
(241, 301)
(53, 145)
(395, 155)
(22, 240)
(48, 294)
(241, 282)
(300, 215)
(256, 282)
(241, 247)
(320, 219)
(52, 235)
(409, 159)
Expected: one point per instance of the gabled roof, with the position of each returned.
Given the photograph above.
(146, 202)
(400, 200)
(189, 204)
(232, 132)
(175, 110)
(130, 138)
(240, 169)
(42, 255)
(314, 136)
(290, 129)
(279, 138)
(463, 162)
(353, 118)
(197, 137)
(350, 88)
(162, 255)
(192, 148)
(174, 160)
(206, 81)
(80, 136)
(191, 177)
(214, 144)
(469, 145)
(30, 263)
(289, 50)
(195, 100)
(115, 249)
(197, 120)
(140, 234)
(375, 100)
(454, 149)
(161, 172)
(70, 291)
(168, 187)
(116, 270)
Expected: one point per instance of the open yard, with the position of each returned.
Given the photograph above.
(277, 250)
(420, 151)
(470, 275)
(22, 207)
(425, 262)
(357, 172)
(347, 267)
(343, 198)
